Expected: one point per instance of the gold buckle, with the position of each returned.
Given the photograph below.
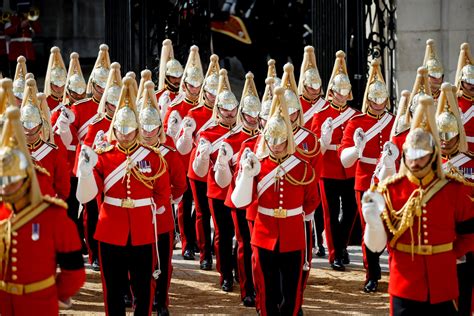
(128, 203)
(279, 212)
(16, 289)
(425, 249)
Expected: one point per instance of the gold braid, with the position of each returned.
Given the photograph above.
(293, 181)
(149, 181)
(310, 154)
(5, 242)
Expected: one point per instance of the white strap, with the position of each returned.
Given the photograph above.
(209, 123)
(308, 115)
(71, 147)
(2, 36)
(372, 161)
(467, 116)
(457, 161)
(271, 211)
(269, 179)
(20, 39)
(217, 143)
(83, 129)
(470, 139)
(57, 107)
(164, 150)
(300, 136)
(137, 203)
(378, 127)
(343, 117)
(41, 152)
(332, 147)
(119, 172)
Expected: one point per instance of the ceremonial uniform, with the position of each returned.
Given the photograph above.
(53, 103)
(310, 108)
(466, 105)
(21, 38)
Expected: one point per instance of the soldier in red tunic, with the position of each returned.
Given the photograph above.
(457, 162)
(55, 79)
(209, 143)
(362, 145)
(36, 236)
(309, 87)
(283, 185)
(337, 182)
(19, 79)
(435, 69)
(196, 226)
(414, 214)
(153, 134)
(464, 82)
(169, 79)
(127, 226)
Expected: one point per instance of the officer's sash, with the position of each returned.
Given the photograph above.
(378, 127)
(41, 152)
(342, 118)
(277, 172)
(119, 172)
(83, 129)
(313, 109)
(217, 143)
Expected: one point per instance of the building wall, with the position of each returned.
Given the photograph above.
(448, 22)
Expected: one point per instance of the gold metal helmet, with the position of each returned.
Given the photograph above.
(465, 69)
(225, 98)
(149, 115)
(290, 93)
(8, 99)
(211, 80)
(249, 102)
(272, 73)
(101, 69)
(339, 81)
(193, 73)
(125, 118)
(47, 133)
(402, 120)
(19, 79)
(420, 87)
(267, 98)
(75, 80)
(376, 90)
(15, 160)
(431, 60)
(309, 74)
(30, 110)
(448, 117)
(56, 72)
(278, 127)
(168, 65)
(112, 89)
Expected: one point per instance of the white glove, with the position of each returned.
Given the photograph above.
(163, 103)
(375, 237)
(326, 134)
(249, 164)
(100, 140)
(225, 154)
(223, 174)
(204, 149)
(174, 122)
(63, 130)
(188, 126)
(359, 140)
(86, 185)
(389, 154)
(201, 161)
(87, 160)
(249, 168)
(68, 114)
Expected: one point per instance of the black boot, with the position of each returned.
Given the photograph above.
(371, 286)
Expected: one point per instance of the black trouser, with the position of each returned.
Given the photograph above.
(165, 249)
(115, 263)
(406, 307)
(223, 235)
(281, 272)
(73, 209)
(187, 220)
(465, 282)
(91, 217)
(203, 219)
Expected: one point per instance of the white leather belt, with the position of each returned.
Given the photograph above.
(332, 147)
(470, 139)
(71, 147)
(372, 161)
(2, 36)
(280, 212)
(21, 39)
(128, 202)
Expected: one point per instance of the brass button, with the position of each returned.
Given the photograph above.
(14, 242)
(281, 182)
(14, 234)
(281, 202)
(14, 259)
(14, 250)
(425, 241)
(425, 226)
(14, 268)
(14, 277)
(281, 189)
(426, 233)
(424, 212)
(281, 195)
(424, 219)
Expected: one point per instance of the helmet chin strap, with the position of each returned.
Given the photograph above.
(420, 174)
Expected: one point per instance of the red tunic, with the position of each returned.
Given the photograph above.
(331, 166)
(21, 38)
(429, 277)
(32, 261)
(117, 224)
(53, 103)
(365, 166)
(466, 105)
(310, 108)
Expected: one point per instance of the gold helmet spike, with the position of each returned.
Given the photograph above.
(272, 73)
(423, 138)
(465, 69)
(133, 75)
(267, 98)
(19, 79)
(402, 121)
(278, 127)
(339, 81)
(309, 74)
(448, 117)
(29, 75)
(15, 160)
(101, 69)
(56, 72)
(376, 89)
(168, 65)
(211, 80)
(420, 87)
(75, 80)
(249, 102)
(112, 89)
(145, 75)
(431, 60)
(149, 115)
(31, 114)
(8, 99)
(46, 129)
(125, 118)
(225, 98)
(290, 92)
(193, 73)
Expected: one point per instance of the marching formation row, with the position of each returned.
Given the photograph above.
(259, 168)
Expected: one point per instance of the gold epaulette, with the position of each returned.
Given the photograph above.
(99, 117)
(41, 170)
(56, 201)
(104, 150)
(154, 149)
(382, 185)
(457, 177)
